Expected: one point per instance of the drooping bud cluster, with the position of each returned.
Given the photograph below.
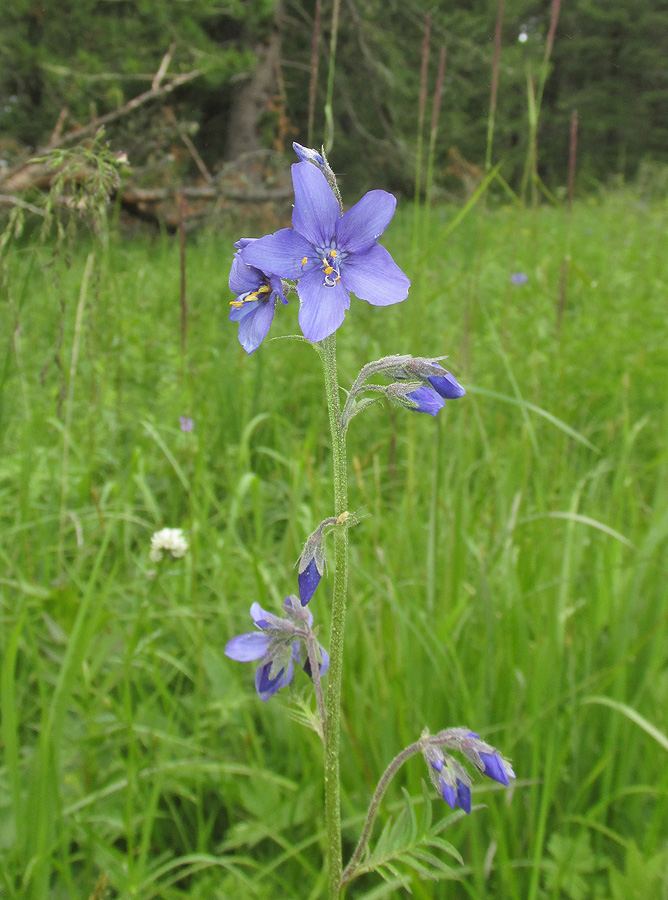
(419, 384)
(449, 777)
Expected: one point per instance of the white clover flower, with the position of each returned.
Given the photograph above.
(170, 539)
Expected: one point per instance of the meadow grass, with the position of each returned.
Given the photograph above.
(511, 576)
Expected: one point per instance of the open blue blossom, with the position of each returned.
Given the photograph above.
(519, 278)
(329, 254)
(256, 296)
(278, 644)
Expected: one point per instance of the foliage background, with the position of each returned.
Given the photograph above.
(512, 574)
(608, 63)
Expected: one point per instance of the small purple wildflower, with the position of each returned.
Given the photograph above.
(454, 785)
(448, 777)
(278, 644)
(308, 581)
(488, 760)
(256, 296)
(446, 385)
(186, 423)
(519, 278)
(431, 398)
(428, 401)
(329, 254)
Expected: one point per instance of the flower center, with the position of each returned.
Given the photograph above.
(251, 295)
(330, 266)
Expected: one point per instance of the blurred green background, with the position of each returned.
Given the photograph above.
(511, 574)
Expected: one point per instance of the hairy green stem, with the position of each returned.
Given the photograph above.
(333, 731)
(374, 806)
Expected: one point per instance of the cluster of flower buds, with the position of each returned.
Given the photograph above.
(449, 777)
(419, 384)
(279, 643)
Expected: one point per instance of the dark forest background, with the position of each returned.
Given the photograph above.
(83, 58)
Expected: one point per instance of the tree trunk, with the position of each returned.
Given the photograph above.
(255, 95)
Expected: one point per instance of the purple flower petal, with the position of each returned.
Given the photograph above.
(237, 313)
(281, 253)
(247, 647)
(253, 328)
(494, 768)
(448, 794)
(243, 278)
(375, 277)
(308, 581)
(324, 664)
(323, 308)
(464, 796)
(277, 287)
(260, 616)
(316, 209)
(436, 763)
(364, 223)
(266, 686)
(446, 385)
(428, 401)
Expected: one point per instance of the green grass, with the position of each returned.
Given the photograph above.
(511, 577)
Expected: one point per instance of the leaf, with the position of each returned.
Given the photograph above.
(407, 846)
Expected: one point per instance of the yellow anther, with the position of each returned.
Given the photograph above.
(328, 270)
(236, 303)
(264, 289)
(304, 261)
(333, 254)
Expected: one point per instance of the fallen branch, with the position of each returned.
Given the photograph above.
(206, 192)
(93, 126)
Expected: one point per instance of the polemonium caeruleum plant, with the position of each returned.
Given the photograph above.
(327, 255)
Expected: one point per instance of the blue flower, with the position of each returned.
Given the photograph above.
(454, 786)
(278, 644)
(428, 401)
(446, 385)
(308, 581)
(271, 645)
(519, 278)
(431, 396)
(494, 767)
(257, 295)
(488, 760)
(329, 254)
